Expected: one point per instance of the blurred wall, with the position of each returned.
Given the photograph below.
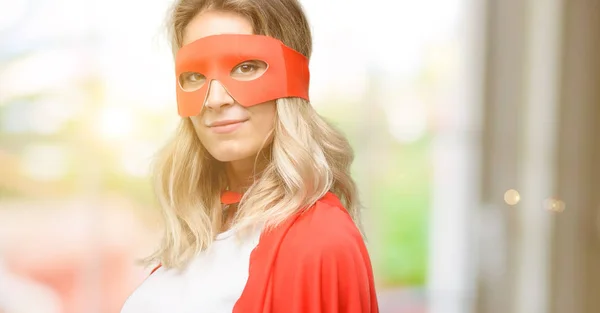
(575, 274)
(538, 251)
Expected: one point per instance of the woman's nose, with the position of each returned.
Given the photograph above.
(217, 96)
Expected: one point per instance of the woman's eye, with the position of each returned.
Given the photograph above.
(191, 81)
(249, 70)
(246, 68)
(195, 77)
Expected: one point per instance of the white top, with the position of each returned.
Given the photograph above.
(211, 283)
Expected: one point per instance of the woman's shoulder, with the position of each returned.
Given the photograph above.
(324, 227)
(324, 239)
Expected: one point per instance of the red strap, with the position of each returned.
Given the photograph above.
(230, 197)
(154, 270)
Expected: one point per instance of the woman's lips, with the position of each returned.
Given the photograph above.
(226, 126)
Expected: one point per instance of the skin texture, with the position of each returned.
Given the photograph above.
(238, 148)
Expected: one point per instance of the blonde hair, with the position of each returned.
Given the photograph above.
(308, 156)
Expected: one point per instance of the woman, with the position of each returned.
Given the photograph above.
(260, 211)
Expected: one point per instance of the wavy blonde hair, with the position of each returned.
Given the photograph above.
(308, 156)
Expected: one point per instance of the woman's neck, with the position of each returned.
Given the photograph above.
(242, 173)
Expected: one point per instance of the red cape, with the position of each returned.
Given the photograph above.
(316, 262)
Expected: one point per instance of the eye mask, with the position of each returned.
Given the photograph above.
(252, 68)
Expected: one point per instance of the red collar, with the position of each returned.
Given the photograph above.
(230, 197)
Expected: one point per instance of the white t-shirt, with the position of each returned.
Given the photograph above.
(211, 283)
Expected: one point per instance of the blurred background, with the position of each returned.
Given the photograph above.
(474, 122)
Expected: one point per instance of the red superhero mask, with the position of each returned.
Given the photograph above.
(232, 60)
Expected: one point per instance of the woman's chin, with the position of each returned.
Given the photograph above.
(227, 154)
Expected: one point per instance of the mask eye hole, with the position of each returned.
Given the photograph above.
(191, 81)
(249, 70)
